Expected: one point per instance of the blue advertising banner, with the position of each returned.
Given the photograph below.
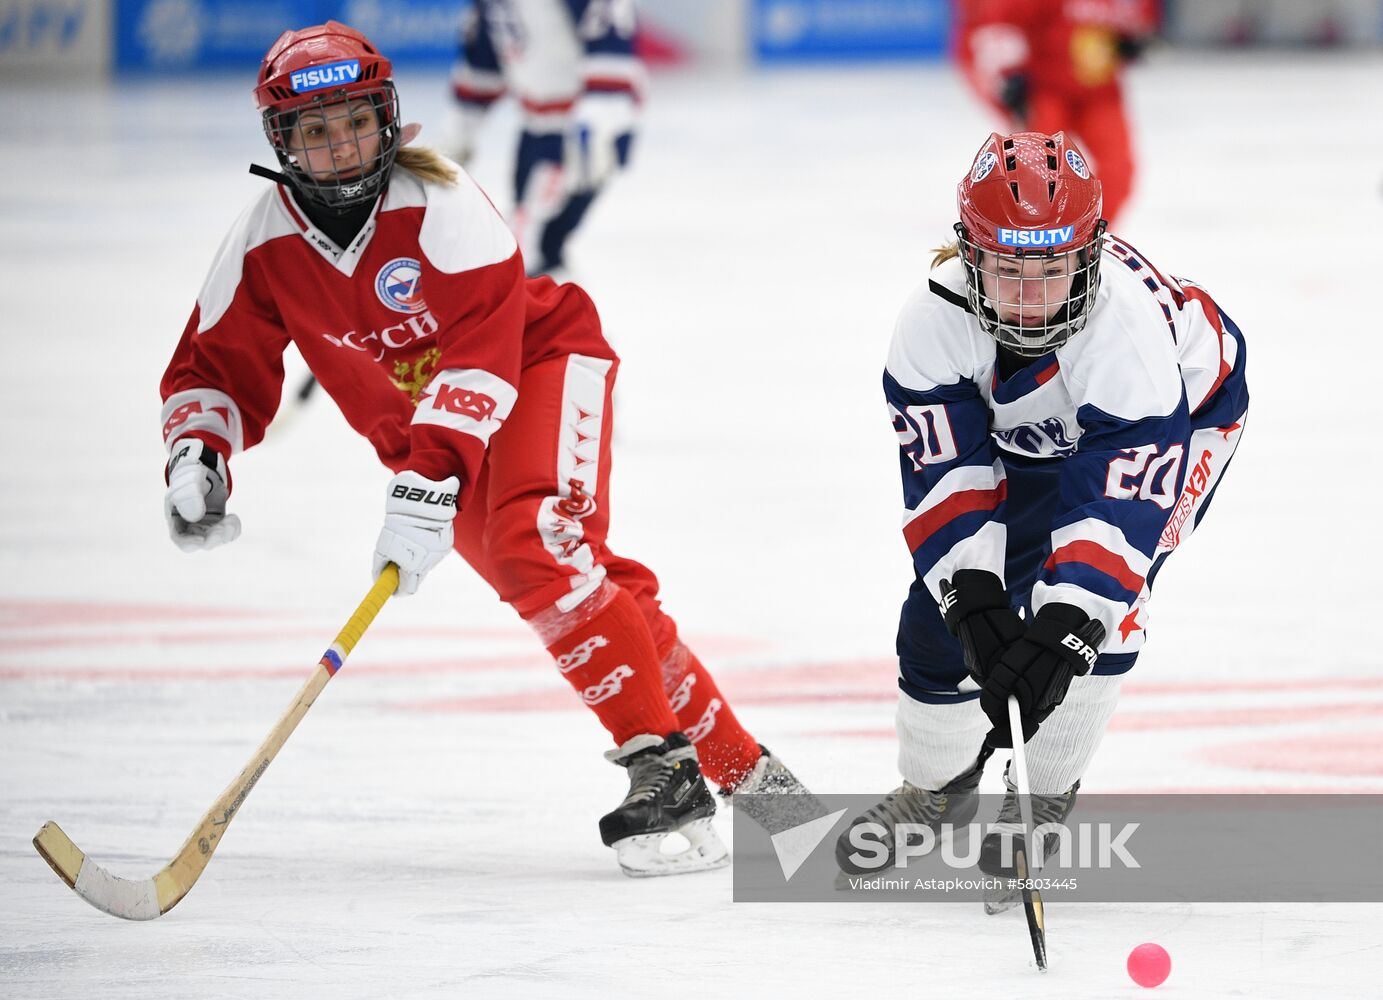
(66, 38)
(178, 36)
(813, 30)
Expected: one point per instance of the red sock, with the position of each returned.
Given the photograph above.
(725, 749)
(611, 662)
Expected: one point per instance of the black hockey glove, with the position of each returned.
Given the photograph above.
(1062, 642)
(1132, 47)
(1013, 95)
(977, 612)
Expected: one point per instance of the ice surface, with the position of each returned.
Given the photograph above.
(409, 842)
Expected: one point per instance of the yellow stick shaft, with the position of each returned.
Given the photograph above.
(383, 589)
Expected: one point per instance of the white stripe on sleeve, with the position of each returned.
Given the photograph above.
(470, 400)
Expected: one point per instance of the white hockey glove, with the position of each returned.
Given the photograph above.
(195, 504)
(417, 526)
(464, 122)
(599, 139)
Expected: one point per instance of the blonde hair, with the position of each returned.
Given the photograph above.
(945, 252)
(427, 164)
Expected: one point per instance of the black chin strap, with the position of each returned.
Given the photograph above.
(265, 172)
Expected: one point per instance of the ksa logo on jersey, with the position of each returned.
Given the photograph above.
(330, 75)
(1035, 237)
(467, 402)
(1077, 163)
(398, 285)
(986, 162)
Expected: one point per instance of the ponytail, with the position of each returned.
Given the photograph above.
(427, 164)
(945, 252)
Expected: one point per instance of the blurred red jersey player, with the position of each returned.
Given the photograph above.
(1056, 65)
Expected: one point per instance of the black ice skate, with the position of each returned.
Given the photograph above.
(667, 795)
(954, 804)
(1045, 809)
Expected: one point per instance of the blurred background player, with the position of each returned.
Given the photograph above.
(1065, 412)
(572, 67)
(486, 392)
(1056, 65)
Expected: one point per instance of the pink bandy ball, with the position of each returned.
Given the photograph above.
(1149, 965)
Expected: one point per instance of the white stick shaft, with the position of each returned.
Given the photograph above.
(1020, 782)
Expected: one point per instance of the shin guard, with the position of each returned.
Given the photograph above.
(611, 662)
(726, 750)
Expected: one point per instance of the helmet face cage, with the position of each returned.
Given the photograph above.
(364, 176)
(1002, 287)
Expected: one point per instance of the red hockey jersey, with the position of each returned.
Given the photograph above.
(1066, 46)
(420, 330)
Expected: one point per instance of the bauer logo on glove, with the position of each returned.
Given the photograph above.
(417, 530)
(418, 494)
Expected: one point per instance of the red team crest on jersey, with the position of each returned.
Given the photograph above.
(399, 285)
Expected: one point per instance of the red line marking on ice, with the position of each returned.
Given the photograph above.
(1195, 719)
(562, 698)
(883, 672)
(1302, 684)
(31, 614)
(1220, 718)
(286, 633)
(219, 674)
(1348, 753)
(870, 674)
(554, 700)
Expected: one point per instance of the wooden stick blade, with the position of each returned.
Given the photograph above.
(56, 848)
(153, 897)
(117, 896)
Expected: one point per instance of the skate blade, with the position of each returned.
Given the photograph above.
(642, 856)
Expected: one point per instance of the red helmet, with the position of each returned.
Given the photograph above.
(1030, 195)
(313, 69)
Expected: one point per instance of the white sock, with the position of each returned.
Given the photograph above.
(938, 742)
(1063, 748)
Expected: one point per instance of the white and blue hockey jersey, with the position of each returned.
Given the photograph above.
(548, 52)
(1140, 411)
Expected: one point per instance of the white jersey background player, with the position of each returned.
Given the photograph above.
(1065, 412)
(571, 65)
